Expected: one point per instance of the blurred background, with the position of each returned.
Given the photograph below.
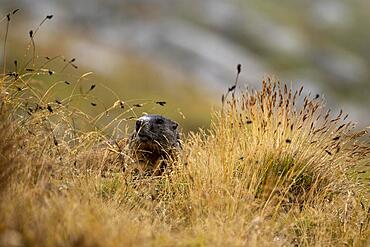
(186, 52)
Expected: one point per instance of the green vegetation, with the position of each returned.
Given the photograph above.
(133, 81)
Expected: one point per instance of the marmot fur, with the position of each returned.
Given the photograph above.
(155, 141)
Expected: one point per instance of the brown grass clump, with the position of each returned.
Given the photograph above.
(274, 169)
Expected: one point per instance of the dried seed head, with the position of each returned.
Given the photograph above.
(49, 108)
(239, 68)
(161, 103)
(300, 91)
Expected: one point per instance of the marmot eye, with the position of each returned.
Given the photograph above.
(175, 126)
(138, 125)
(159, 121)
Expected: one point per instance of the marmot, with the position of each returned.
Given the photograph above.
(155, 141)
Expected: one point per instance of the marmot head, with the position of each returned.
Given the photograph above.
(158, 130)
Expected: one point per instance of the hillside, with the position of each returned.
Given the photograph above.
(275, 167)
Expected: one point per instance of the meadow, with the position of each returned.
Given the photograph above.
(275, 168)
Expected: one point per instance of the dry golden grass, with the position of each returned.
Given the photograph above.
(271, 171)
(274, 169)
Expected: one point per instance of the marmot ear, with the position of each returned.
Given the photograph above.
(175, 125)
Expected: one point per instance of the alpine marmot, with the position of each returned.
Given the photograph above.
(156, 140)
